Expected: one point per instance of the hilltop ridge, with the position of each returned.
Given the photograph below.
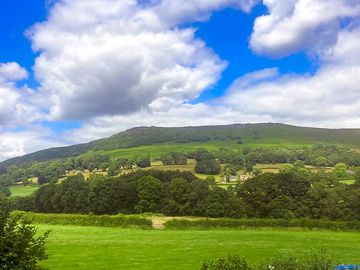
(233, 133)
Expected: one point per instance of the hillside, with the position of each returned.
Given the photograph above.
(202, 136)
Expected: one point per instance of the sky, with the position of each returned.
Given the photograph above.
(72, 71)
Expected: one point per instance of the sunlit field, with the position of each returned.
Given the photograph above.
(22, 191)
(88, 248)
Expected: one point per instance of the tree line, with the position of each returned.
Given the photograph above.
(294, 193)
(206, 162)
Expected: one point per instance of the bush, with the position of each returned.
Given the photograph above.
(319, 260)
(86, 220)
(232, 262)
(21, 247)
(221, 223)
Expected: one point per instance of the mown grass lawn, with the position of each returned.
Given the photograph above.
(98, 248)
(22, 191)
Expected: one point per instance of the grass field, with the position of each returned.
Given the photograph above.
(22, 191)
(99, 248)
(157, 150)
(347, 181)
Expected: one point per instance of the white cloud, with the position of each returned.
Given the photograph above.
(295, 25)
(173, 12)
(118, 64)
(329, 98)
(113, 57)
(15, 104)
(18, 143)
(12, 72)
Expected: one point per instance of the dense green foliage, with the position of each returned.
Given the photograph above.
(319, 155)
(295, 192)
(207, 162)
(20, 246)
(174, 158)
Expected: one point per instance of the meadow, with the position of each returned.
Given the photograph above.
(156, 150)
(22, 191)
(74, 247)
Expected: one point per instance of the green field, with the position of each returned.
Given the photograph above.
(157, 150)
(72, 247)
(22, 191)
(347, 181)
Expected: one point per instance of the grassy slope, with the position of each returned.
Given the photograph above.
(161, 140)
(99, 248)
(22, 191)
(157, 150)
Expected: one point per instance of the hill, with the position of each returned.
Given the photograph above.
(202, 136)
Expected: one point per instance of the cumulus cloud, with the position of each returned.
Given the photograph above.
(116, 64)
(295, 25)
(173, 12)
(15, 102)
(12, 72)
(114, 57)
(328, 98)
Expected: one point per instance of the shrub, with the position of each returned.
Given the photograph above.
(232, 262)
(208, 224)
(86, 220)
(319, 260)
(21, 248)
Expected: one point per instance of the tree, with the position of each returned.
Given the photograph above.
(113, 169)
(73, 194)
(281, 207)
(321, 162)
(299, 164)
(230, 169)
(341, 170)
(249, 166)
(143, 161)
(150, 194)
(257, 171)
(174, 158)
(208, 166)
(20, 246)
(286, 168)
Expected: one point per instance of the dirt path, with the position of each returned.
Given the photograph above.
(158, 222)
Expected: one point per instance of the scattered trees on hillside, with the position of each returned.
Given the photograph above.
(143, 161)
(206, 163)
(174, 158)
(319, 155)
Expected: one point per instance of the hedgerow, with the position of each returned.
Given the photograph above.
(86, 220)
(221, 223)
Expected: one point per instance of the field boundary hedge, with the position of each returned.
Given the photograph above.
(122, 221)
(223, 223)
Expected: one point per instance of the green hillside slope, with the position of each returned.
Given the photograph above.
(203, 136)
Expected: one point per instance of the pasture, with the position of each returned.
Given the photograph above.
(22, 191)
(74, 247)
(156, 150)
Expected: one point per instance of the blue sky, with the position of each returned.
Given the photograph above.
(16, 18)
(73, 71)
